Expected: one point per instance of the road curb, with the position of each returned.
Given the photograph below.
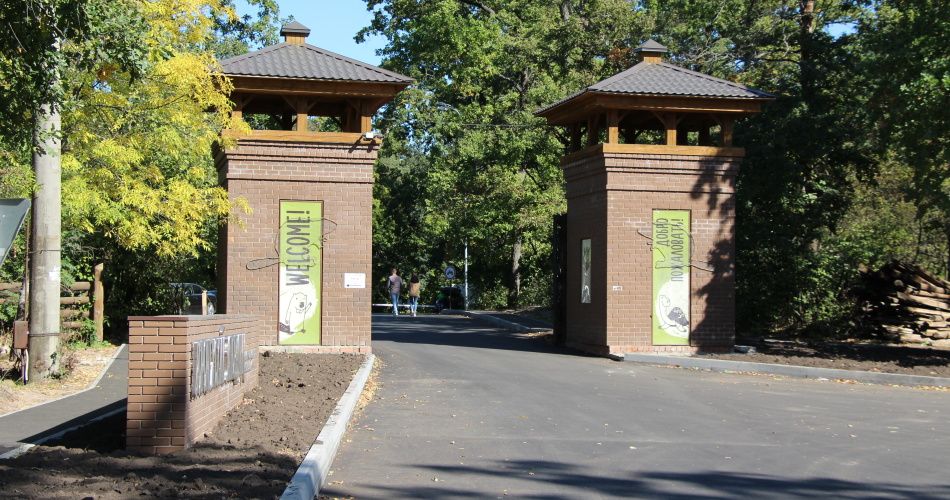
(787, 370)
(306, 482)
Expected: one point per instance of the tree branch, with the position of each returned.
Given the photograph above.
(480, 5)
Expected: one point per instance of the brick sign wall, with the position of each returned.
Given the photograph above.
(185, 372)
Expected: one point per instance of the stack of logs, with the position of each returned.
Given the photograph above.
(907, 304)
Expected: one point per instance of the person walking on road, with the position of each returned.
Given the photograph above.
(394, 285)
(414, 286)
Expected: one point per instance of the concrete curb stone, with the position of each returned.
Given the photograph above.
(313, 471)
(787, 370)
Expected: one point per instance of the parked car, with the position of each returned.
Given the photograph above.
(186, 298)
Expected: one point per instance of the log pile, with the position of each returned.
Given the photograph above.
(907, 304)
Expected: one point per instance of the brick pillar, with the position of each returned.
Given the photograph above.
(264, 172)
(163, 414)
(611, 198)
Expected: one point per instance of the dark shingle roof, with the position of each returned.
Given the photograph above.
(662, 79)
(303, 61)
(667, 79)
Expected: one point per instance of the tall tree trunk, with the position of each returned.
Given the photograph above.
(514, 291)
(45, 265)
(807, 43)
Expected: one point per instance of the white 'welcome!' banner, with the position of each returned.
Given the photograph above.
(300, 243)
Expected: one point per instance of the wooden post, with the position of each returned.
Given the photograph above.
(669, 122)
(99, 301)
(593, 130)
(613, 127)
(726, 132)
(302, 110)
(576, 136)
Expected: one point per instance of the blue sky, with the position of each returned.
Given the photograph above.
(333, 24)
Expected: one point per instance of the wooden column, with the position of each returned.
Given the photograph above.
(669, 121)
(726, 125)
(593, 129)
(576, 136)
(613, 127)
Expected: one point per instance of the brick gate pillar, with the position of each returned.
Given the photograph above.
(302, 257)
(651, 208)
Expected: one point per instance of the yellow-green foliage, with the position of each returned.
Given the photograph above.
(137, 153)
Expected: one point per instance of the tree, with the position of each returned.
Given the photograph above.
(135, 89)
(39, 42)
(484, 170)
(906, 67)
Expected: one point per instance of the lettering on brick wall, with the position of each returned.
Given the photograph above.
(218, 361)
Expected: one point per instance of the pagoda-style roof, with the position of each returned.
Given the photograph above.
(294, 80)
(302, 61)
(664, 79)
(655, 95)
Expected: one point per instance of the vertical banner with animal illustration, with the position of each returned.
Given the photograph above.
(671, 264)
(300, 241)
(585, 271)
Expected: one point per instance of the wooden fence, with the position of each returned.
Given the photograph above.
(79, 294)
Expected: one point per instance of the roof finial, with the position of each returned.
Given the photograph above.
(650, 51)
(295, 33)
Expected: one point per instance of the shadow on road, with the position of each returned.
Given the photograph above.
(457, 331)
(585, 482)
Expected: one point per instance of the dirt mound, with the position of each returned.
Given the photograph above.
(251, 453)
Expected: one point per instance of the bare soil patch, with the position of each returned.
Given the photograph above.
(257, 447)
(857, 356)
(252, 453)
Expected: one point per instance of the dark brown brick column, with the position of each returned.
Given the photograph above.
(611, 197)
(264, 172)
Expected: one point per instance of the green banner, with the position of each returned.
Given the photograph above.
(301, 260)
(671, 294)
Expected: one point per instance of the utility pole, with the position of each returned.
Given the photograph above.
(45, 264)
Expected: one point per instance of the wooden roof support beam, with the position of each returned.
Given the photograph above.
(366, 116)
(725, 128)
(577, 132)
(613, 126)
(359, 116)
(240, 101)
(669, 121)
(593, 130)
(302, 110)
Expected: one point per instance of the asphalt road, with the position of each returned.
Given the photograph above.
(468, 410)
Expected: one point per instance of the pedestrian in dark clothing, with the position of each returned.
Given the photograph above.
(394, 285)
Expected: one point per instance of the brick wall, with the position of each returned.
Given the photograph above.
(264, 172)
(611, 198)
(162, 416)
